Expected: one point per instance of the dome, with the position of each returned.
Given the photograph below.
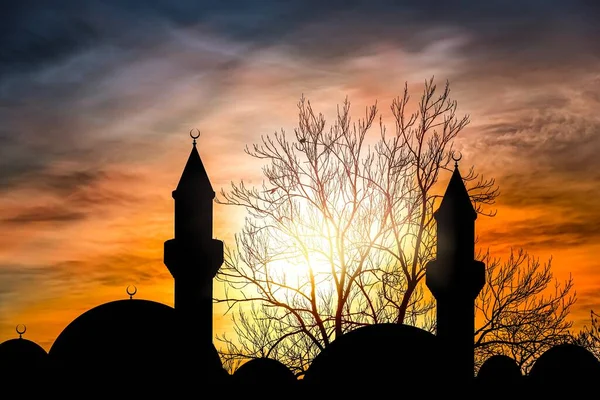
(21, 354)
(377, 354)
(264, 372)
(23, 366)
(499, 369)
(132, 336)
(566, 363)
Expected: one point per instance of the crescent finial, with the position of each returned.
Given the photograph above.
(21, 329)
(131, 292)
(196, 136)
(456, 159)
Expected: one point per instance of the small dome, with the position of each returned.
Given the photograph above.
(377, 356)
(499, 369)
(23, 367)
(129, 337)
(21, 353)
(264, 372)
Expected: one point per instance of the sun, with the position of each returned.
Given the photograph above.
(297, 271)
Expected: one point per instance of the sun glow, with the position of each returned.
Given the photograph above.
(308, 257)
(296, 271)
(315, 251)
(318, 255)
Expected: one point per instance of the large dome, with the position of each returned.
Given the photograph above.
(567, 363)
(132, 337)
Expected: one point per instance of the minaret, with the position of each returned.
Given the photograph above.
(193, 256)
(455, 278)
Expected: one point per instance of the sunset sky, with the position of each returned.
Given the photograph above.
(97, 99)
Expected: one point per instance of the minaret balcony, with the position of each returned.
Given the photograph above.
(445, 279)
(198, 259)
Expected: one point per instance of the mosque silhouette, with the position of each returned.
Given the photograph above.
(138, 347)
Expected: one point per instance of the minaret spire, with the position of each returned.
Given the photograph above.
(193, 257)
(455, 278)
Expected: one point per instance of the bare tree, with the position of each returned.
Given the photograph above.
(339, 234)
(589, 336)
(522, 310)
